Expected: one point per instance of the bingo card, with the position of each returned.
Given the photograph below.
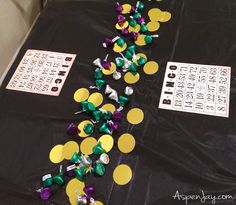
(196, 88)
(42, 72)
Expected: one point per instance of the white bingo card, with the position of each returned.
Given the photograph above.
(196, 88)
(42, 72)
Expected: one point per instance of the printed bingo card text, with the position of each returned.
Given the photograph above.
(42, 72)
(196, 88)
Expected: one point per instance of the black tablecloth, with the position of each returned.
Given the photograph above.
(175, 151)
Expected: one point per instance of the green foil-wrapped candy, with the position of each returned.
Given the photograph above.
(98, 74)
(106, 115)
(88, 129)
(99, 169)
(148, 39)
(140, 5)
(132, 49)
(84, 105)
(119, 62)
(133, 67)
(143, 28)
(141, 61)
(128, 55)
(123, 100)
(120, 42)
(100, 83)
(98, 150)
(90, 107)
(79, 173)
(97, 114)
(104, 129)
(47, 180)
(76, 158)
(59, 179)
(133, 23)
(137, 15)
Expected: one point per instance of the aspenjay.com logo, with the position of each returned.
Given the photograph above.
(203, 198)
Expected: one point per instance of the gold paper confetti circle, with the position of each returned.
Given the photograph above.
(153, 26)
(140, 40)
(56, 154)
(130, 78)
(86, 146)
(150, 67)
(107, 142)
(126, 8)
(69, 149)
(165, 16)
(73, 185)
(126, 24)
(126, 143)
(98, 203)
(96, 99)
(134, 29)
(122, 174)
(154, 14)
(135, 116)
(119, 49)
(81, 128)
(81, 94)
(109, 107)
(112, 69)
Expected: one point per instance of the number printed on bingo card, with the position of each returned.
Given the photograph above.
(196, 88)
(42, 72)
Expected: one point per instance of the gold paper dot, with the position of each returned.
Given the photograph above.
(56, 154)
(107, 142)
(109, 107)
(153, 26)
(134, 29)
(98, 203)
(126, 143)
(96, 99)
(86, 146)
(165, 16)
(140, 40)
(119, 49)
(130, 78)
(69, 149)
(126, 8)
(150, 67)
(73, 186)
(122, 174)
(154, 14)
(73, 200)
(126, 24)
(81, 128)
(135, 116)
(112, 69)
(81, 94)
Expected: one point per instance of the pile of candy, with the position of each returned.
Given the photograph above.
(128, 65)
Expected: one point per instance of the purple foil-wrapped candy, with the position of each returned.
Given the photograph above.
(45, 193)
(117, 115)
(107, 43)
(132, 10)
(106, 64)
(89, 190)
(119, 7)
(114, 127)
(125, 32)
(134, 36)
(141, 20)
(73, 129)
(121, 20)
